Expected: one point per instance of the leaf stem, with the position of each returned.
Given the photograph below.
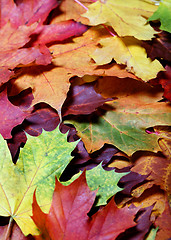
(9, 229)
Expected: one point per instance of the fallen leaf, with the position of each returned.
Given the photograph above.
(82, 99)
(17, 34)
(159, 47)
(39, 161)
(165, 81)
(163, 14)
(43, 80)
(10, 115)
(123, 123)
(49, 84)
(80, 48)
(156, 166)
(152, 234)
(105, 181)
(26, 12)
(128, 51)
(75, 200)
(128, 18)
(164, 222)
(14, 234)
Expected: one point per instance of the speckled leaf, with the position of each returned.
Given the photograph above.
(40, 160)
(105, 181)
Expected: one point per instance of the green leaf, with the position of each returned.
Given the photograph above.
(105, 181)
(152, 234)
(163, 14)
(42, 158)
(124, 126)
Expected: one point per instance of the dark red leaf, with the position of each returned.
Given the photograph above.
(10, 115)
(82, 99)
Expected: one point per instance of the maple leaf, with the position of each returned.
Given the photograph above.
(40, 160)
(164, 222)
(82, 99)
(17, 31)
(50, 84)
(163, 14)
(158, 168)
(128, 18)
(166, 82)
(105, 181)
(10, 115)
(123, 121)
(67, 218)
(127, 51)
(159, 47)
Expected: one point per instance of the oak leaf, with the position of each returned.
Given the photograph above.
(127, 51)
(128, 18)
(40, 160)
(68, 219)
(163, 14)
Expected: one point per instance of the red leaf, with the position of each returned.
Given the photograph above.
(10, 116)
(68, 219)
(23, 35)
(165, 81)
(82, 99)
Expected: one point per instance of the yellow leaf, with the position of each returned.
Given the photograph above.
(129, 51)
(128, 17)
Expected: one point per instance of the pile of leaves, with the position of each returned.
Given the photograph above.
(84, 119)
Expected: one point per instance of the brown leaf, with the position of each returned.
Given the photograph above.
(164, 223)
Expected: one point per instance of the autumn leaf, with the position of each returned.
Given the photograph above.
(166, 82)
(50, 84)
(159, 47)
(128, 18)
(68, 218)
(163, 14)
(18, 31)
(10, 115)
(41, 159)
(127, 51)
(163, 223)
(105, 181)
(82, 99)
(123, 122)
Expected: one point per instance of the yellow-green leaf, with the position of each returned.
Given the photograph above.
(127, 50)
(40, 160)
(128, 17)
